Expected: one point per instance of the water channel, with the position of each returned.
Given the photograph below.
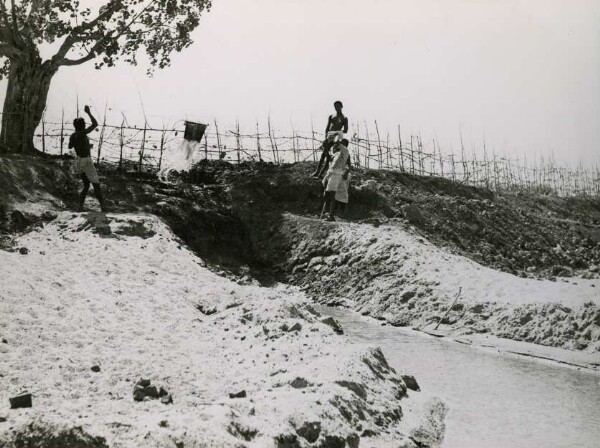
(495, 401)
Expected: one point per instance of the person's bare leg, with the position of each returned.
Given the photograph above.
(98, 192)
(83, 194)
(321, 161)
(330, 202)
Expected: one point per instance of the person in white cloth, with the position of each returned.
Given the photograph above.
(336, 179)
(85, 166)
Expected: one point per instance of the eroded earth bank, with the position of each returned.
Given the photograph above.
(183, 285)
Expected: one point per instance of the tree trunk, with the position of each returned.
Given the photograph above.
(26, 94)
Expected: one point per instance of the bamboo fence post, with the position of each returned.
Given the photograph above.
(420, 148)
(388, 152)
(357, 144)
(271, 139)
(258, 143)
(205, 145)
(162, 147)
(441, 157)
(142, 147)
(121, 145)
(465, 169)
(412, 156)
(101, 138)
(453, 167)
(368, 156)
(218, 139)
(474, 167)
(400, 157)
(312, 129)
(380, 155)
(44, 133)
(62, 130)
(237, 140)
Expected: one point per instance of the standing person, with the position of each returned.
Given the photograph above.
(336, 179)
(85, 166)
(337, 126)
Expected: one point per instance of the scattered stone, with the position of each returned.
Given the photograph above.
(162, 392)
(167, 399)
(23, 250)
(368, 433)
(3, 419)
(19, 221)
(21, 401)
(143, 383)
(357, 388)
(411, 382)
(206, 311)
(138, 394)
(163, 424)
(144, 389)
(337, 328)
(299, 383)
(296, 327)
(96, 369)
(151, 391)
(240, 394)
(309, 431)
(287, 441)
(49, 216)
(594, 268)
(4, 341)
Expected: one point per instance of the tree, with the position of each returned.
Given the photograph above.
(78, 31)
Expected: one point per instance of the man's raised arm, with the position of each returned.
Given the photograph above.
(94, 124)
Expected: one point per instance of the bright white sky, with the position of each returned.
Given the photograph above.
(523, 73)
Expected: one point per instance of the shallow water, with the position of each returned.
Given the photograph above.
(495, 401)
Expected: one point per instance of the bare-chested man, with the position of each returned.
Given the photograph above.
(337, 126)
(85, 166)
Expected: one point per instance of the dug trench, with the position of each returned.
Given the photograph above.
(526, 265)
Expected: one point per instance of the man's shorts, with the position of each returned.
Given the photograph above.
(84, 165)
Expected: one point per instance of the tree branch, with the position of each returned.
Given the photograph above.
(35, 5)
(15, 23)
(60, 59)
(73, 38)
(8, 51)
(89, 56)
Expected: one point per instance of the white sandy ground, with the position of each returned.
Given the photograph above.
(129, 305)
(372, 269)
(445, 273)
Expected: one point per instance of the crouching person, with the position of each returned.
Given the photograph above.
(336, 180)
(84, 164)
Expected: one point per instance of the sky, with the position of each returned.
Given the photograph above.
(521, 75)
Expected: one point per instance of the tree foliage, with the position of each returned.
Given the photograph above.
(106, 31)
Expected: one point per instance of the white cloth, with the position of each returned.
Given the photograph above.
(85, 165)
(341, 194)
(333, 178)
(331, 135)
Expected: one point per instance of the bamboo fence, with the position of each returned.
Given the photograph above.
(143, 148)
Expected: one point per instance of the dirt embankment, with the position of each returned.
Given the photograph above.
(97, 308)
(258, 219)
